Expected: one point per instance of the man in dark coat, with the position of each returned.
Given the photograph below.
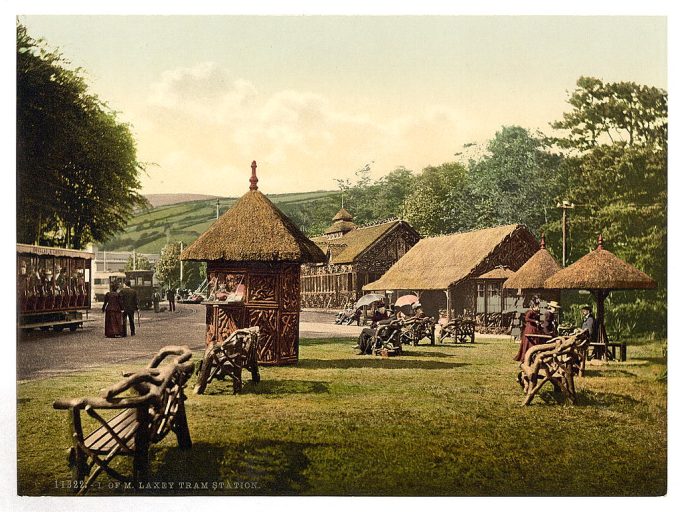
(130, 304)
(171, 299)
(588, 321)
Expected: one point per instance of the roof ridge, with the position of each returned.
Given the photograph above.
(379, 222)
(477, 230)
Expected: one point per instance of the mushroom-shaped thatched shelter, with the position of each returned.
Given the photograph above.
(254, 253)
(600, 272)
(530, 278)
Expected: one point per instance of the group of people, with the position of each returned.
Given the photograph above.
(383, 316)
(119, 307)
(538, 330)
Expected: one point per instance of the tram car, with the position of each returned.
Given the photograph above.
(142, 282)
(53, 287)
(103, 281)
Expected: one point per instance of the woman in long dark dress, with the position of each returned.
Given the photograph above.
(113, 319)
(532, 325)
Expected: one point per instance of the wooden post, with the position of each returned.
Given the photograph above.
(448, 304)
(601, 330)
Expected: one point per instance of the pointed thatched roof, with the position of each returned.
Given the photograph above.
(439, 262)
(600, 270)
(532, 275)
(254, 229)
(343, 215)
(342, 223)
(349, 247)
(498, 273)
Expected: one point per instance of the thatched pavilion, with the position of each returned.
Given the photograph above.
(356, 255)
(445, 270)
(530, 278)
(600, 272)
(254, 253)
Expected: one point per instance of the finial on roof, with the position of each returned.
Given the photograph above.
(599, 242)
(253, 177)
(542, 240)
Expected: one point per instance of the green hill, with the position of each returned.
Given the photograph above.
(151, 229)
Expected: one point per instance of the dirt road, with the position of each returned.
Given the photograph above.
(46, 353)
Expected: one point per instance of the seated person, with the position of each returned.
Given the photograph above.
(365, 344)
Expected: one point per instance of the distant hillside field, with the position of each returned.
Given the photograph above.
(150, 230)
(157, 200)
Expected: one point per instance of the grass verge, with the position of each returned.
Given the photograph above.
(442, 420)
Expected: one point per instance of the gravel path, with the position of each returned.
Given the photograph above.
(42, 354)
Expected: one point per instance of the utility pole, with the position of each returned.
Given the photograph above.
(565, 205)
(217, 206)
(134, 260)
(181, 264)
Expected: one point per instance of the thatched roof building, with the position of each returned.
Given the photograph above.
(533, 274)
(436, 263)
(356, 255)
(600, 270)
(451, 264)
(254, 253)
(254, 229)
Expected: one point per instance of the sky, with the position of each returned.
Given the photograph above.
(315, 98)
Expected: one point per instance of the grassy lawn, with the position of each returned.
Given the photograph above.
(443, 420)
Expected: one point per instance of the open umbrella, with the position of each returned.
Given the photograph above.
(532, 275)
(600, 272)
(406, 300)
(369, 298)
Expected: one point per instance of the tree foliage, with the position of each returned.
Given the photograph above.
(439, 200)
(138, 262)
(167, 268)
(517, 181)
(611, 113)
(77, 169)
(616, 138)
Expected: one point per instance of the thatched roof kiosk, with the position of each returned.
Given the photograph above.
(453, 263)
(531, 276)
(254, 253)
(600, 272)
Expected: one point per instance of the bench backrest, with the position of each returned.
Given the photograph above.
(158, 389)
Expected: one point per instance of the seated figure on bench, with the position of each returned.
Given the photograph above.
(155, 408)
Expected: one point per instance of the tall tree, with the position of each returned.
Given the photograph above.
(516, 181)
(77, 168)
(615, 137)
(611, 113)
(439, 201)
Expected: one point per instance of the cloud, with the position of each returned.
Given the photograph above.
(203, 127)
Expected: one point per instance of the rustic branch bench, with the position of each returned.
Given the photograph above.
(229, 358)
(597, 350)
(556, 361)
(459, 331)
(415, 329)
(150, 404)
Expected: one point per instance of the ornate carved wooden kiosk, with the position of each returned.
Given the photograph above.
(254, 253)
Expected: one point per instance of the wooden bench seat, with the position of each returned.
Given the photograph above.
(458, 331)
(119, 428)
(557, 361)
(229, 358)
(145, 417)
(597, 350)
